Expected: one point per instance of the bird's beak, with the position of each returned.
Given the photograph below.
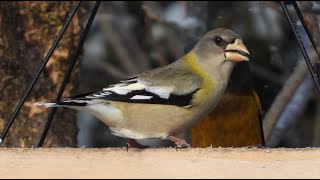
(237, 51)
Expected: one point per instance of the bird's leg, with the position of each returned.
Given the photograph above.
(180, 143)
(134, 144)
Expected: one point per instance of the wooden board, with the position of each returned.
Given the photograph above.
(159, 163)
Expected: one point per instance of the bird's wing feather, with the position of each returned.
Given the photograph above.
(135, 91)
(143, 89)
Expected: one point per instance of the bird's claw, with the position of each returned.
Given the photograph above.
(182, 145)
(133, 143)
(179, 143)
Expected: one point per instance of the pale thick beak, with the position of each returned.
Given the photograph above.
(237, 51)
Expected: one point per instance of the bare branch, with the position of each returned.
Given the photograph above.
(285, 95)
(292, 113)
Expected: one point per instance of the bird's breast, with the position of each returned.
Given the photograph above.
(208, 97)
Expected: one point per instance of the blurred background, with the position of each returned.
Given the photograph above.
(127, 38)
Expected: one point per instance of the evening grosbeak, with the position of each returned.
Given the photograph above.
(236, 120)
(166, 101)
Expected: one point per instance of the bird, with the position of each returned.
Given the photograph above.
(163, 102)
(237, 119)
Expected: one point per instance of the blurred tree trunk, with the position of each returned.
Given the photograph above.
(27, 30)
(312, 19)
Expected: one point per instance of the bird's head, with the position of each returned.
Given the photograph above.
(223, 43)
(221, 48)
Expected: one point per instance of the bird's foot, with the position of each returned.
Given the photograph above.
(132, 143)
(180, 143)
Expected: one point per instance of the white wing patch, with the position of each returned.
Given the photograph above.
(99, 95)
(141, 97)
(44, 104)
(162, 91)
(125, 89)
(91, 97)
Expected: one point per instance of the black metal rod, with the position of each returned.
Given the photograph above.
(74, 59)
(301, 46)
(45, 61)
(300, 15)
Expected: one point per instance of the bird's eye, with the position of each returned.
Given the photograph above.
(218, 40)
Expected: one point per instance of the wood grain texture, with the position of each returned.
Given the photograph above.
(160, 163)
